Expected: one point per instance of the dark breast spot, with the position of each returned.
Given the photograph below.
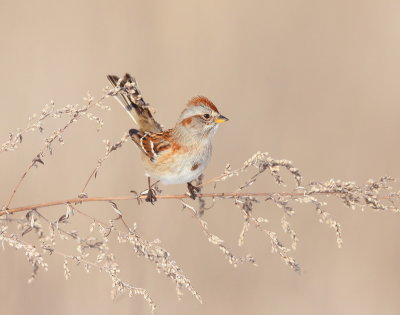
(195, 166)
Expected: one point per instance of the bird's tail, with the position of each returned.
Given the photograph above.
(128, 95)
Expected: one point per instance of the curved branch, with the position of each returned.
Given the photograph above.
(142, 197)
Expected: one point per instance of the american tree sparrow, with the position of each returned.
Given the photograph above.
(177, 155)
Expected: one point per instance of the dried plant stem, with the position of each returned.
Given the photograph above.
(142, 197)
(48, 142)
(109, 148)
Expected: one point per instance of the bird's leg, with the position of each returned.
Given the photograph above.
(151, 194)
(193, 190)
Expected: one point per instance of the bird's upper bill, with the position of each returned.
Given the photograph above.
(220, 119)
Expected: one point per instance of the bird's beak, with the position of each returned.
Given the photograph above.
(220, 119)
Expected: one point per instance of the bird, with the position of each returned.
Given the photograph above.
(172, 156)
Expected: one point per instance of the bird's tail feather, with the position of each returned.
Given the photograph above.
(129, 97)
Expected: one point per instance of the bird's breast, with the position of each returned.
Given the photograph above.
(182, 166)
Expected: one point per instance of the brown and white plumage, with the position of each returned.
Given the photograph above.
(151, 144)
(177, 155)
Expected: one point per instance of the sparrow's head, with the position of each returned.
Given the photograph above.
(200, 118)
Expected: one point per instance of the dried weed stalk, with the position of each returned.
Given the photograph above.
(37, 236)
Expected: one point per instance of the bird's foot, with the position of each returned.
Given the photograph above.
(152, 192)
(151, 196)
(193, 190)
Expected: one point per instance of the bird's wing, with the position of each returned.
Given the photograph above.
(151, 144)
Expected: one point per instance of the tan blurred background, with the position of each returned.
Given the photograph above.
(316, 82)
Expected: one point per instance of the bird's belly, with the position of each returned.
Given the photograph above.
(179, 178)
(184, 174)
(182, 170)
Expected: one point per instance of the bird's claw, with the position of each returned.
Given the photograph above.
(193, 190)
(151, 196)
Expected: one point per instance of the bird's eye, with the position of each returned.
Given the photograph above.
(206, 116)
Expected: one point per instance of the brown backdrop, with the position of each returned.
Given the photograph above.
(316, 82)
